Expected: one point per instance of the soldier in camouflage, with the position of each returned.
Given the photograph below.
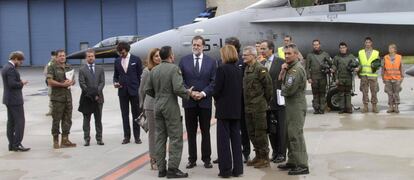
(257, 87)
(61, 98)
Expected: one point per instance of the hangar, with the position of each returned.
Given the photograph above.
(38, 26)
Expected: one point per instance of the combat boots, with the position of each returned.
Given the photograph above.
(56, 141)
(396, 110)
(374, 108)
(365, 109)
(65, 143)
(390, 109)
(253, 161)
(263, 161)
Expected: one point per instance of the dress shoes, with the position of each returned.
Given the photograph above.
(191, 165)
(138, 141)
(224, 175)
(86, 143)
(162, 173)
(246, 158)
(286, 166)
(176, 173)
(20, 148)
(279, 159)
(101, 143)
(216, 161)
(299, 171)
(208, 165)
(125, 141)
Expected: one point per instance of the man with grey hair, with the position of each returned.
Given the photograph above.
(257, 87)
(13, 99)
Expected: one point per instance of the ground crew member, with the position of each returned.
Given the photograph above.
(257, 87)
(280, 50)
(318, 64)
(344, 64)
(293, 89)
(165, 83)
(392, 75)
(49, 89)
(61, 98)
(369, 79)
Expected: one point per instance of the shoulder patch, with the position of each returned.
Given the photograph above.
(179, 71)
(290, 80)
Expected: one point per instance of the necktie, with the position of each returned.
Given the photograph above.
(197, 65)
(91, 69)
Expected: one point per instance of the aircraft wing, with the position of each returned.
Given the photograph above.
(386, 18)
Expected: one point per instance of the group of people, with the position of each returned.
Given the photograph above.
(258, 92)
(256, 101)
(342, 69)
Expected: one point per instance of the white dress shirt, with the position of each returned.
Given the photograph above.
(125, 62)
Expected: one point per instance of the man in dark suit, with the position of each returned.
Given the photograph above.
(198, 71)
(276, 114)
(127, 74)
(92, 82)
(13, 99)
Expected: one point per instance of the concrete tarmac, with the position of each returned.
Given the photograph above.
(358, 146)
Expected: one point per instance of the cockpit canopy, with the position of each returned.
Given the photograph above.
(269, 4)
(112, 41)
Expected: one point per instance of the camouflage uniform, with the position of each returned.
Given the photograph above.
(257, 87)
(61, 100)
(293, 89)
(344, 79)
(165, 83)
(314, 67)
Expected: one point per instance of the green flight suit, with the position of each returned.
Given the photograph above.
(61, 98)
(344, 79)
(314, 64)
(293, 89)
(165, 83)
(257, 87)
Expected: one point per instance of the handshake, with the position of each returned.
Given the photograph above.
(196, 95)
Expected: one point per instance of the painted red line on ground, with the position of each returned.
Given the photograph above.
(136, 163)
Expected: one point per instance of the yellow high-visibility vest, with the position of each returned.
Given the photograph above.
(366, 63)
(280, 52)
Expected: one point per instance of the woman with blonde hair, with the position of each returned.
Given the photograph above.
(392, 76)
(227, 95)
(147, 102)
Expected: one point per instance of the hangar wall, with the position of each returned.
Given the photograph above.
(38, 26)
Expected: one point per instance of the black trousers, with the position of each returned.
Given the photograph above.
(98, 124)
(193, 117)
(15, 125)
(229, 147)
(245, 141)
(278, 139)
(124, 102)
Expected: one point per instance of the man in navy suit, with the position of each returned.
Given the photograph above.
(13, 99)
(198, 71)
(127, 73)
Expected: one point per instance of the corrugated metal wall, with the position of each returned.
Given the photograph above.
(38, 26)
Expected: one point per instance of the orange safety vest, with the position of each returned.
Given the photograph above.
(392, 70)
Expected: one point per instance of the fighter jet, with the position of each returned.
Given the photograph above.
(384, 20)
(106, 48)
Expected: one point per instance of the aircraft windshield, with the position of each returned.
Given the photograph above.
(112, 41)
(302, 3)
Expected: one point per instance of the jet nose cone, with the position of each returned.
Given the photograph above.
(168, 38)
